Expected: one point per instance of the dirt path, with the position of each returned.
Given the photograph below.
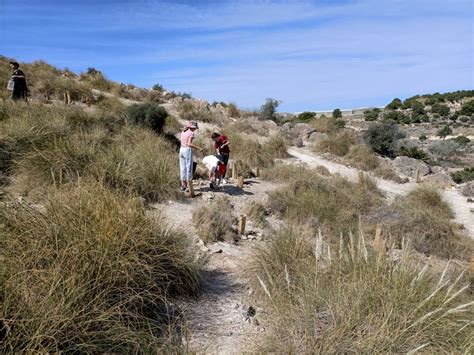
(458, 202)
(217, 321)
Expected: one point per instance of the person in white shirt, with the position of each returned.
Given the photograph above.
(214, 167)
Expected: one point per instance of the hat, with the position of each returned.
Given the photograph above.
(14, 63)
(192, 124)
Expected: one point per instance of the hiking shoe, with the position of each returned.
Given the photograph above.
(183, 188)
(211, 186)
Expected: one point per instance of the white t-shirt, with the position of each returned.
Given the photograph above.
(211, 161)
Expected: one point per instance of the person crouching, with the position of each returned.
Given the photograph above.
(216, 170)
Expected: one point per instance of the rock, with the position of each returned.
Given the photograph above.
(286, 127)
(317, 137)
(301, 130)
(467, 189)
(441, 180)
(409, 166)
(209, 196)
(298, 142)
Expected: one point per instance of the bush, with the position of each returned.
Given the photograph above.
(414, 152)
(158, 87)
(395, 104)
(383, 138)
(444, 132)
(440, 109)
(397, 116)
(337, 113)
(232, 110)
(465, 175)
(444, 149)
(149, 115)
(422, 137)
(355, 300)
(325, 124)
(371, 115)
(257, 212)
(340, 123)
(268, 110)
(337, 144)
(462, 140)
(91, 273)
(468, 108)
(306, 116)
(214, 222)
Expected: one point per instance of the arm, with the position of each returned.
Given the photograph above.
(190, 144)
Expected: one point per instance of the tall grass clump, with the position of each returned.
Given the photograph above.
(141, 162)
(356, 300)
(426, 223)
(214, 222)
(337, 144)
(91, 273)
(333, 204)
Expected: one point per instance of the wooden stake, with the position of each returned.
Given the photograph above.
(361, 176)
(234, 170)
(191, 188)
(240, 181)
(379, 243)
(257, 172)
(242, 220)
(68, 97)
(418, 179)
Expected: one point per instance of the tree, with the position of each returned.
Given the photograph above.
(395, 104)
(371, 115)
(383, 138)
(337, 113)
(268, 109)
(396, 116)
(444, 132)
(158, 87)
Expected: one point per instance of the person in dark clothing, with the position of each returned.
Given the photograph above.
(20, 89)
(221, 144)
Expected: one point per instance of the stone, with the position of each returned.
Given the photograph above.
(298, 142)
(315, 137)
(409, 166)
(301, 130)
(467, 189)
(441, 180)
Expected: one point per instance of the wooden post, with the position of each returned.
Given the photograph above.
(234, 170)
(240, 181)
(242, 220)
(418, 179)
(257, 172)
(68, 97)
(191, 188)
(361, 176)
(379, 244)
(65, 99)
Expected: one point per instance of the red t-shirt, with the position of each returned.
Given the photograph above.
(218, 145)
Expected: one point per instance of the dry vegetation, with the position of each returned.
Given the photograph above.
(213, 222)
(90, 273)
(354, 299)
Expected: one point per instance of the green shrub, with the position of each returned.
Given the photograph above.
(91, 274)
(149, 115)
(395, 104)
(465, 175)
(440, 109)
(383, 138)
(444, 132)
(396, 116)
(371, 115)
(462, 140)
(337, 113)
(340, 123)
(306, 116)
(468, 108)
(413, 152)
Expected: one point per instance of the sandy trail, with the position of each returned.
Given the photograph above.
(458, 202)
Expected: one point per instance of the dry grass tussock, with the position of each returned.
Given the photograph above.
(354, 299)
(42, 146)
(289, 172)
(338, 143)
(214, 221)
(90, 274)
(426, 223)
(333, 204)
(257, 212)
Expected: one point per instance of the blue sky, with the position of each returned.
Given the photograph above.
(311, 55)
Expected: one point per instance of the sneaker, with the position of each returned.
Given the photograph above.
(211, 186)
(183, 188)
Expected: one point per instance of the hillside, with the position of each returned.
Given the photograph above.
(358, 233)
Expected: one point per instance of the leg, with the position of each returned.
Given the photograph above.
(182, 168)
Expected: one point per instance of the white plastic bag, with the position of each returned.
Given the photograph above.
(10, 85)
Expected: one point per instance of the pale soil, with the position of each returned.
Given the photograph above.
(217, 321)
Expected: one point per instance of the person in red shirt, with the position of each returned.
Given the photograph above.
(221, 144)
